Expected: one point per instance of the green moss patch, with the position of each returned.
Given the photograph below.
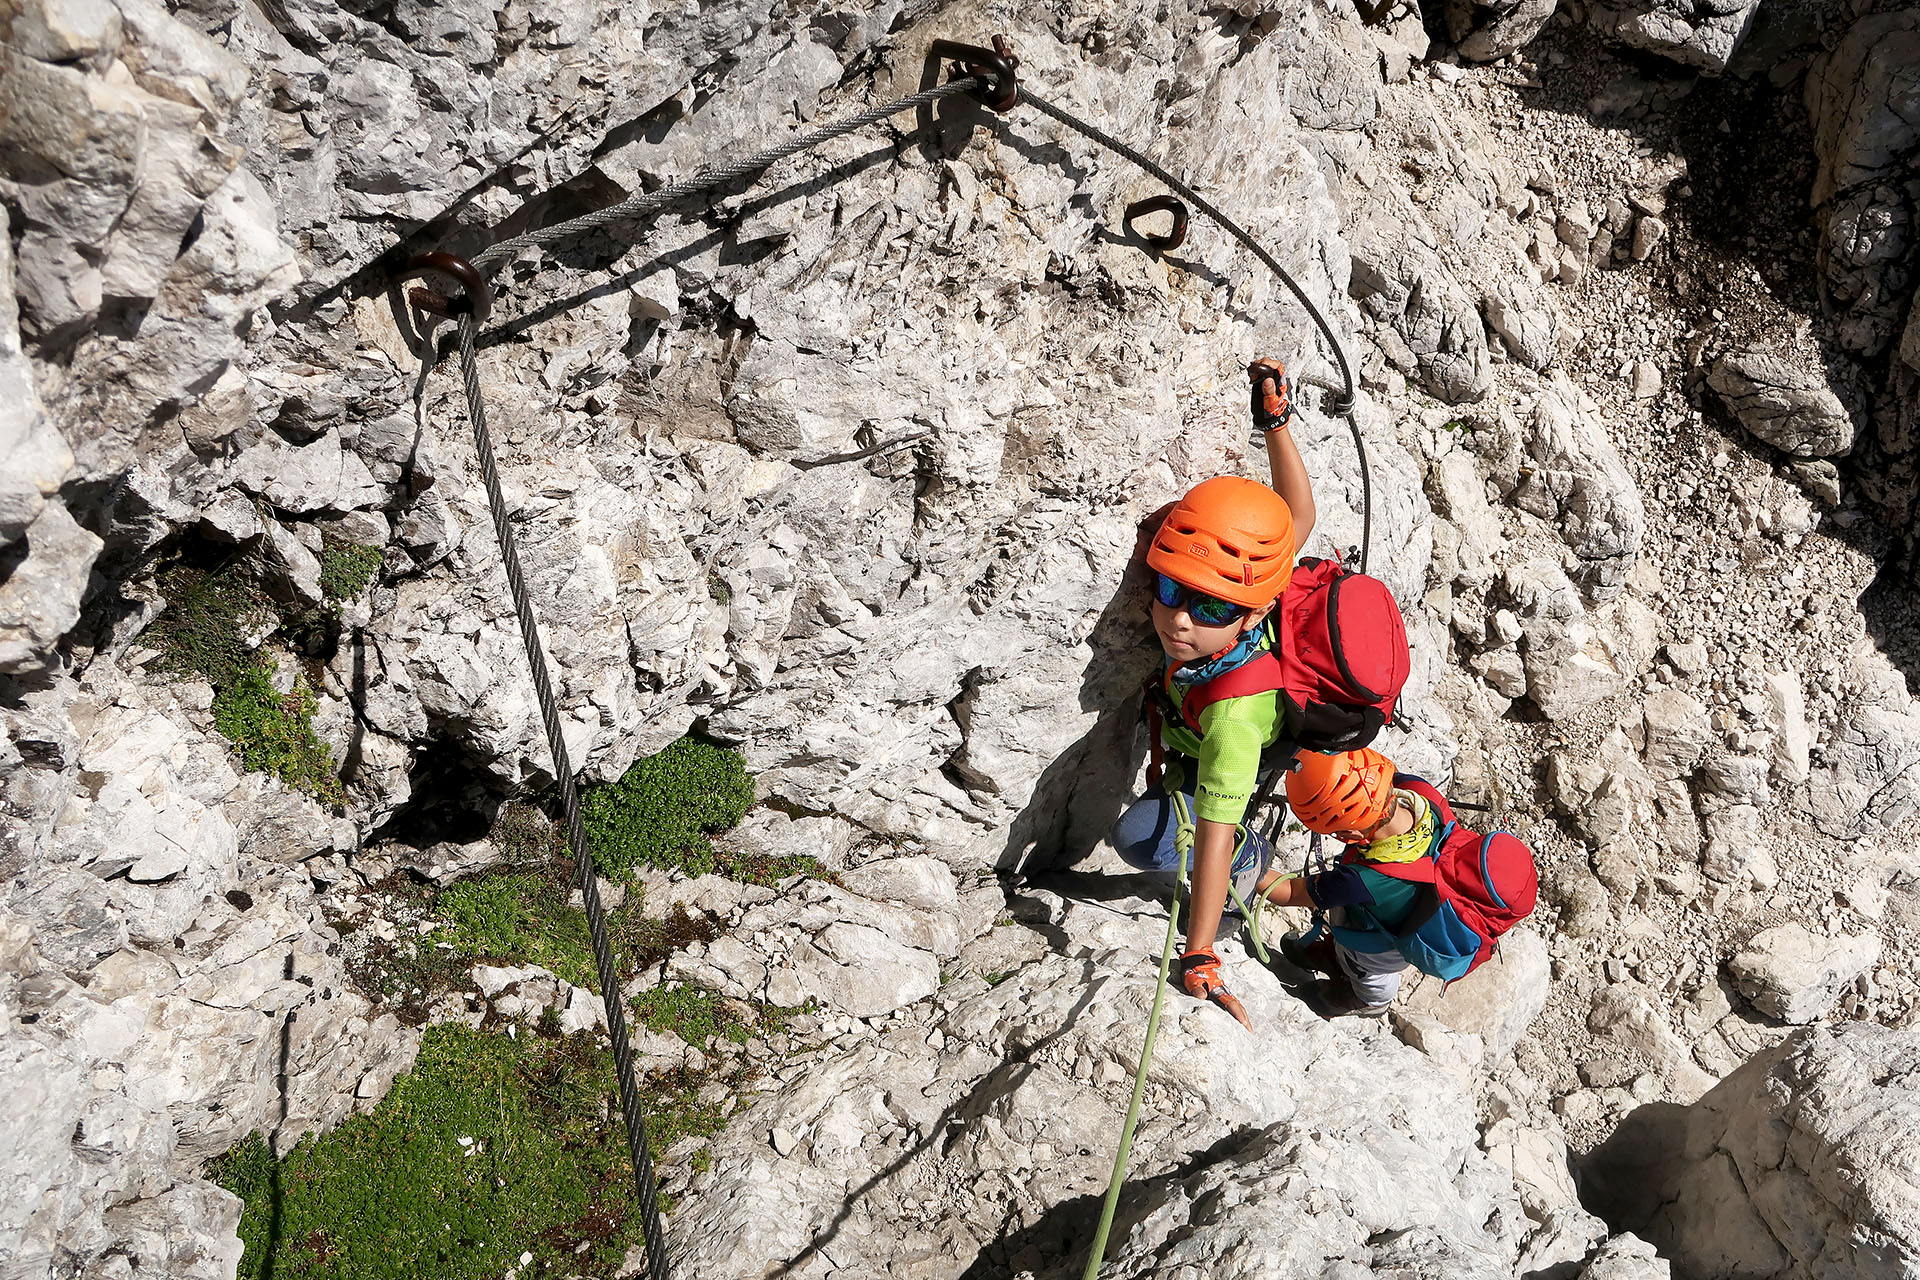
(273, 732)
(488, 1149)
(210, 614)
(659, 813)
(346, 568)
(527, 917)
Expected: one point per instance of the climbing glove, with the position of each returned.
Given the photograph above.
(1201, 978)
(1272, 399)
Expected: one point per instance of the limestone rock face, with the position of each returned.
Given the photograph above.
(1802, 1163)
(1023, 1084)
(152, 1009)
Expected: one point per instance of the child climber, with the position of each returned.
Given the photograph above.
(1412, 888)
(1351, 796)
(1221, 558)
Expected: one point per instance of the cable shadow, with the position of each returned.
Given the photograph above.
(1003, 1081)
(572, 254)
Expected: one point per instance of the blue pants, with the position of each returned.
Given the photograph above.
(1144, 839)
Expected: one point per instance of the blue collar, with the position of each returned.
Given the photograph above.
(1249, 646)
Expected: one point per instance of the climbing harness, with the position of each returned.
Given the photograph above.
(989, 76)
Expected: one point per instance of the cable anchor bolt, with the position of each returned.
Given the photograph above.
(475, 297)
(1158, 204)
(999, 64)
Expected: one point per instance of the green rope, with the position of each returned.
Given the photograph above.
(1183, 840)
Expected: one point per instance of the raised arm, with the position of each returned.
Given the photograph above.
(1273, 412)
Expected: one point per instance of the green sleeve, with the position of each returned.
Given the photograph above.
(1233, 733)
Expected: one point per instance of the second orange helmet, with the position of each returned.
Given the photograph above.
(1346, 791)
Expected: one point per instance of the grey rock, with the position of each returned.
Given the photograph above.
(1626, 1257)
(40, 600)
(1404, 287)
(306, 479)
(1648, 232)
(1581, 484)
(1786, 406)
(1521, 316)
(1866, 140)
(1487, 30)
(1678, 732)
(1798, 1164)
(1694, 33)
(1787, 718)
(1497, 1001)
(34, 459)
(1791, 974)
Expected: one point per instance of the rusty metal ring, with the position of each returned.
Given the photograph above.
(1158, 204)
(477, 297)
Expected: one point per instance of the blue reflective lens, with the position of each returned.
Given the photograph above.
(1208, 611)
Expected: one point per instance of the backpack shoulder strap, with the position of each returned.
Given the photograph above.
(1257, 675)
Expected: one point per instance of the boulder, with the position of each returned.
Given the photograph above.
(1695, 33)
(1488, 30)
(1580, 485)
(1777, 401)
(1866, 139)
(1496, 1002)
(1794, 975)
(40, 597)
(1803, 1163)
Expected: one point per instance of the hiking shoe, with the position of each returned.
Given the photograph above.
(1309, 957)
(1334, 998)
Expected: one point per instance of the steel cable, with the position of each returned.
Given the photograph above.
(1344, 406)
(570, 803)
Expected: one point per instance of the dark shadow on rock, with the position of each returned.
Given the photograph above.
(1626, 1179)
(1078, 797)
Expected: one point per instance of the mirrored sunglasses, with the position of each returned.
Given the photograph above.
(1208, 611)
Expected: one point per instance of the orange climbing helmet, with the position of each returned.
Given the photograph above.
(1346, 791)
(1230, 537)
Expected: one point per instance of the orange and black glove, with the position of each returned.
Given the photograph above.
(1201, 978)
(1272, 399)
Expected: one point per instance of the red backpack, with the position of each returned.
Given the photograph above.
(1339, 660)
(1482, 886)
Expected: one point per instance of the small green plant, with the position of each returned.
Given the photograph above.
(273, 731)
(995, 979)
(346, 568)
(489, 1148)
(658, 813)
(209, 615)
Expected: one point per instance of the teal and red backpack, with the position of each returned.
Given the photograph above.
(1475, 889)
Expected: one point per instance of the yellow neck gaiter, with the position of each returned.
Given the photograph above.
(1415, 843)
